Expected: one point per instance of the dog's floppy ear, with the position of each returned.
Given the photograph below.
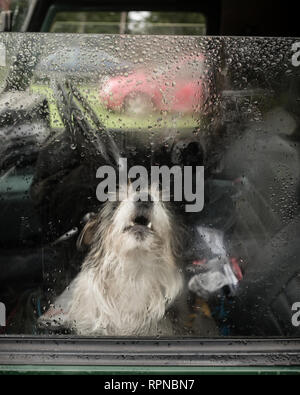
(86, 236)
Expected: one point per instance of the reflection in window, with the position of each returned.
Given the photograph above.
(132, 22)
(79, 110)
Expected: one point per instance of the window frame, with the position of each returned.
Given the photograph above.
(188, 353)
(45, 11)
(144, 352)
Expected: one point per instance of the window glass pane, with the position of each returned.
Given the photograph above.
(149, 186)
(20, 10)
(132, 22)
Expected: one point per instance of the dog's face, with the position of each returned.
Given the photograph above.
(137, 223)
(141, 221)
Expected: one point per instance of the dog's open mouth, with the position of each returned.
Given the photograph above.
(140, 223)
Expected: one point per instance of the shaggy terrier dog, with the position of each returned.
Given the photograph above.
(131, 282)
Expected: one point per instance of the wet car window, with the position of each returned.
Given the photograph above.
(131, 22)
(149, 185)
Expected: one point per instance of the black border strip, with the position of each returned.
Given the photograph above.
(148, 352)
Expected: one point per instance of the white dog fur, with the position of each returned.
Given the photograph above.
(130, 277)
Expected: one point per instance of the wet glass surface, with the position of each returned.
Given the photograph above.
(225, 110)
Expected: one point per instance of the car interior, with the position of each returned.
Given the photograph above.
(105, 73)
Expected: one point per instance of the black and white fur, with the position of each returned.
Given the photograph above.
(131, 282)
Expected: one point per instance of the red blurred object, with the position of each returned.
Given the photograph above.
(5, 5)
(236, 268)
(179, 88)
(202, 262)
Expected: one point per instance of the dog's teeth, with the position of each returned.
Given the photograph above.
(131, 223)
(149, 225)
